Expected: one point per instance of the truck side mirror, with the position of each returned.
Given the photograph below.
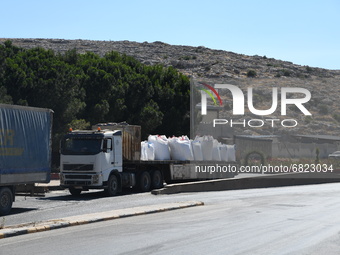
(107, 145)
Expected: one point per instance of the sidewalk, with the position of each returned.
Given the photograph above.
(92, 218)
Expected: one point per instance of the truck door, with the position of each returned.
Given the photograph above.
(117, 152)
(108, 151)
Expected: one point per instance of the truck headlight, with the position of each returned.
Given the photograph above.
(95, 179)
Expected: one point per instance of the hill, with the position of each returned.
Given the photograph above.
(216, 66)
(195, 61)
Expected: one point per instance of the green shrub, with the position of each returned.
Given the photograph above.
(323, 109)
(251, 73)
(336, 116)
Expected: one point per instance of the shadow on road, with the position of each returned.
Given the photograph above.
(86, 196)
(19, 210)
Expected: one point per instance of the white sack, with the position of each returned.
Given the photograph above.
(161, 147)
(180, 148)
(216, 156)
(147, 151)
(143, 155)
(223, 152)
(207, 146)
(231, 152)
(197, 150)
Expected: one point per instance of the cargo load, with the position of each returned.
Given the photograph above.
(205, 148)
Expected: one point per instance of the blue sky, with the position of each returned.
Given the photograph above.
(303, 32)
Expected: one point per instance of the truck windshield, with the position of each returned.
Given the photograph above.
(80, 146)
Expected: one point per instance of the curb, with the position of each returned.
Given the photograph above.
(262, 181)
(92, 218)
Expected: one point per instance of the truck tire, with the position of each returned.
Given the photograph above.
(112, 186)
(6, 200)
(75, 192)
(157, 179)
(145, 181)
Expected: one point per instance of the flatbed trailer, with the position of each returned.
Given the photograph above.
(111, 159)
(176, 170)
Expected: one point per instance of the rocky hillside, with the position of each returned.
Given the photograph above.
(196, 61)
(222, 66)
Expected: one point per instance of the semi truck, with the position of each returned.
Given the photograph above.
(109, 157)
(25, 150)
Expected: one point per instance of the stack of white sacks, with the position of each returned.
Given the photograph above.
(159, 147)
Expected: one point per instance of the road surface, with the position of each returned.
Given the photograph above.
(288, 220)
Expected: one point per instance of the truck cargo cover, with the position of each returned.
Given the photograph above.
(25, 139)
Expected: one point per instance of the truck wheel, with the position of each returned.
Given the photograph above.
(157, 179)
(6, 200)
(145, 181)
(75, 192)
(112, 186)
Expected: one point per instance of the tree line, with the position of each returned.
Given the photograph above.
(84, 89)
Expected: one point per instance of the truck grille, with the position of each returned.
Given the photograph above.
(78, 176)
(78, 179)
(78, 167)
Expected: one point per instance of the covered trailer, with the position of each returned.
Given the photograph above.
(25, 149)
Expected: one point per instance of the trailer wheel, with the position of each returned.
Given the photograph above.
(157, 179)
(112, 186)
(6, 200)
(75, 192)
(145, 181)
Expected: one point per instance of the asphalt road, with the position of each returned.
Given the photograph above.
(60, 204)
(288, 220)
